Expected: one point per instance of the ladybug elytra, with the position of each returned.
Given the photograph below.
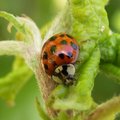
(59, 53)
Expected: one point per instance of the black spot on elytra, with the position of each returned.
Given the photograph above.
(69, 54)
(74, 46)
(46, 67)
(61, 55)
(54, 63)
(45, 55)
(64, 70)
(69, 36)
(64, 42)
(53, 49)
(53, 38)
(62, 35)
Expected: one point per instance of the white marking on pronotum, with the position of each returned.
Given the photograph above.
(70, 69)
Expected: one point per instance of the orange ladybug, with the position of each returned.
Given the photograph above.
(59, 54)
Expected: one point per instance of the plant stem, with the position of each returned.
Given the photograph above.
(11, 47)
(46, 85)
(106, 111)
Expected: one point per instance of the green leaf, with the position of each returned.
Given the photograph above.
(41, 111)
(11, 18)
(28, 29)
(118, 49)
(86, 49)
(88, 72)
(62, 116)
(31, 40)
(58, 93)
(90, 68)
(108, 49)
(62, 23)
(89, 19)
(79, 96)
(13, 82)
(111, 71)
(106, 111)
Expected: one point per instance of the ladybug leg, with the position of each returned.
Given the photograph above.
(74, 81)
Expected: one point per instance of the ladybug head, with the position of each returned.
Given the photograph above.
(64, 74)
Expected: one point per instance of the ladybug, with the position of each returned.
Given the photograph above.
(58, 56)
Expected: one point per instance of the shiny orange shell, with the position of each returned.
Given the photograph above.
(58, 50)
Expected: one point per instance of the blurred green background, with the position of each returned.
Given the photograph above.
(42, 11)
